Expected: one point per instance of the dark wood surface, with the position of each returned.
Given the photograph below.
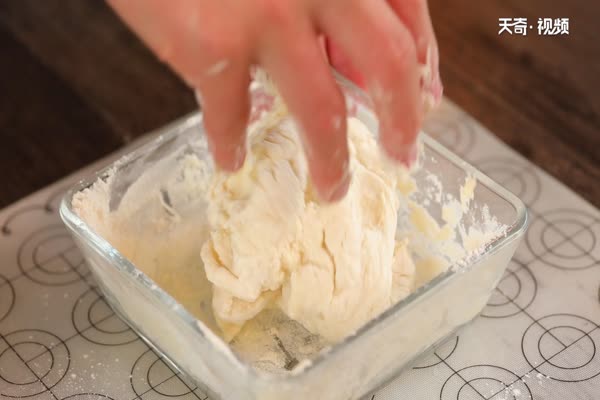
(75, 84)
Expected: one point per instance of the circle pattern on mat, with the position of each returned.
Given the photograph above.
(515, 175)
(53, 201)
(439, 355)
(565, 239)
(12, 218)
(151, 374)
(515, 292)
(88, 396)
(7, 297)
(32, 361)
(455, 132)
(49, 257)
(485, 382)
(94, 320)
(563, 346)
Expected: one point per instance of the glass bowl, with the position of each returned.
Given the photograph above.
(181, 329)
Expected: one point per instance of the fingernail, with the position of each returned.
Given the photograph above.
(336, 122)
(407, 155)
(239, 156)
(437, 88)
(337, 191)
(231, 160)
(410, 155)
(228, 160)
(198, 97)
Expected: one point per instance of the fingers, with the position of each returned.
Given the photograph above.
(225, 108)
(415, 15)
(383, 50)
(157, 25)
(199, 41)
(295, 62)
(342, 64)
(211, 45)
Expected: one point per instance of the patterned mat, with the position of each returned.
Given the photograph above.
(538, 338)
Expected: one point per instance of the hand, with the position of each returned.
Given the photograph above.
(211, 44)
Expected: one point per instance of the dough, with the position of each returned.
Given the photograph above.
(330, 267)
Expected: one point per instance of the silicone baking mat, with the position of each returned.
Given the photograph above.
(538, 338)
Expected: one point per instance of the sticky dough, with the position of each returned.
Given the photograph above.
(330, 267)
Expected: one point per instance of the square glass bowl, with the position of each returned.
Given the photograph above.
(346, 370)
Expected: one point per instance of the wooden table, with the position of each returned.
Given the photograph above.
(76, 84)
